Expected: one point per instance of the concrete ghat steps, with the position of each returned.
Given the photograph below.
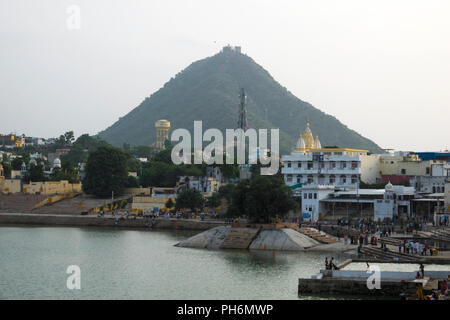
(239, 238)
(441, 234)
(316, 235)
(392, 254)
(389, 255)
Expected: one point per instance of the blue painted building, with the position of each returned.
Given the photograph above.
(445, 156)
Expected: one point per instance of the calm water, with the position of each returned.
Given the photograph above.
(129, 264)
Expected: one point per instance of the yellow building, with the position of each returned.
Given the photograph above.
(162, 133)
(19, 142)
(410, 165)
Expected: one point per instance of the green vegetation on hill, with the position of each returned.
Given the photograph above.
(81, 147)
(208, 90)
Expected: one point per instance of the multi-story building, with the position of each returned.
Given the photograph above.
(11, 141)
(428, 184)
(397, 169)
(205, 184)
(310, 164)
(447, 195)
(162, 133)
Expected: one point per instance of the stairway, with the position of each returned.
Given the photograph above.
(389, 255)
(322, 237)
(441, 234)
(240, 238)
(19, 202)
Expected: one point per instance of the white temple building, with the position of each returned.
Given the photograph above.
(310, 164)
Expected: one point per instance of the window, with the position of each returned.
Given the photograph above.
(428, 170)
(310, 179)
(354, 164)
(289, 178)
(310, 196)
(343, 179)
(299, 164)
(332, 179)
(315, 195)
(305, 196)
(343, 165)
(321, 179)
(403, 171)
(354, 179)
(310, 165)
(332, 165)
(288, 164)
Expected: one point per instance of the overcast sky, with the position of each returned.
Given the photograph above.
(381, 67)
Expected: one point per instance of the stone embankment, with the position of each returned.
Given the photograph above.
(355, 282)
(91, 220)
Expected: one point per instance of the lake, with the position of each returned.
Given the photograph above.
(143, 264)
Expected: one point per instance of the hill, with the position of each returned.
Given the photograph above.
(208, 90)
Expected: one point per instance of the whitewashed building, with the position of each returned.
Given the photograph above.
(310, 164)
(312, 208)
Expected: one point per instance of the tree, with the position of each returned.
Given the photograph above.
(7, 169)
(226, 191)
(16, 164)
(35, 173)
(106, 171)
(133, 164)
(262, 199)
(69, 137)
(132, 182)
(191, 199)
(169, 203)
(67, 172)
(214, 200)
(80, 148)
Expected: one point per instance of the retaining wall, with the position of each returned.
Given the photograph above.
(70, 220)
(357, 287)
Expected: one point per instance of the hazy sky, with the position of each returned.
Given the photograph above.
(380, 67)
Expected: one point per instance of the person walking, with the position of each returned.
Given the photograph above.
(422, 270)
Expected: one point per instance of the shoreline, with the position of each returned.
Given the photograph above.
(32, 219)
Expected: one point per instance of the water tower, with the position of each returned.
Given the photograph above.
(162, 133)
